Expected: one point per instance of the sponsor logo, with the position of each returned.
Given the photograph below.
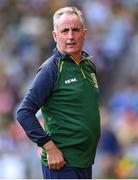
(70, 81)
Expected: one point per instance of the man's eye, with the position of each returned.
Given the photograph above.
(65, 30)
(76, 29)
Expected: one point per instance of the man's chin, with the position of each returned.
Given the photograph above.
(71, 52)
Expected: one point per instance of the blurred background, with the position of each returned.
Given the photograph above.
(112, 40)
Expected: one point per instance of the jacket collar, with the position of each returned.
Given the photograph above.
(60, 55)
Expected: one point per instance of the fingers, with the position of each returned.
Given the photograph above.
(56, 166)
(54, 156)
(55, 160)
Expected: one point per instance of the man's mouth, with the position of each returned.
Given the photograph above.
(71, 44)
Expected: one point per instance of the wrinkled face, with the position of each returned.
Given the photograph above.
(69, 35)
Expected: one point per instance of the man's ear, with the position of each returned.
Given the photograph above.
(54, 36)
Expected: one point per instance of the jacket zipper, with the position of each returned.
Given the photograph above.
(82, 72)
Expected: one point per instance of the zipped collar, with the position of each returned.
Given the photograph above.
(60, 55)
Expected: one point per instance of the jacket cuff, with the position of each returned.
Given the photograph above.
(42, 142)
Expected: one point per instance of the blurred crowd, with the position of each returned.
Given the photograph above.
(112, 40)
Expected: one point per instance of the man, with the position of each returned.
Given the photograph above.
(66, 90)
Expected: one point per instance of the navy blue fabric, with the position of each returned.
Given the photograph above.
(35, 98)
(67, 173)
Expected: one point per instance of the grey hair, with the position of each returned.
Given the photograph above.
(68, 10)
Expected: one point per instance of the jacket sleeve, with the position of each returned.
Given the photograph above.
(34, 99)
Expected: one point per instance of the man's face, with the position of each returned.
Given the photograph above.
(69, 35)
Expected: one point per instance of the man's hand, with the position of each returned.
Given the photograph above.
(54, 156)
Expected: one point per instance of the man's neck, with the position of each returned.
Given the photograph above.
(76, 59)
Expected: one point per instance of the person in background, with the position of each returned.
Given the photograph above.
(66, 90)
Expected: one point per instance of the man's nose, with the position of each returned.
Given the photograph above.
(70, 35)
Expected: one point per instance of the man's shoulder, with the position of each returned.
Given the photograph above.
(89, 58)
(91, 62)
(54, 59)
(49, 62)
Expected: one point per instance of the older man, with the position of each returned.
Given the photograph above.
(66, 90)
